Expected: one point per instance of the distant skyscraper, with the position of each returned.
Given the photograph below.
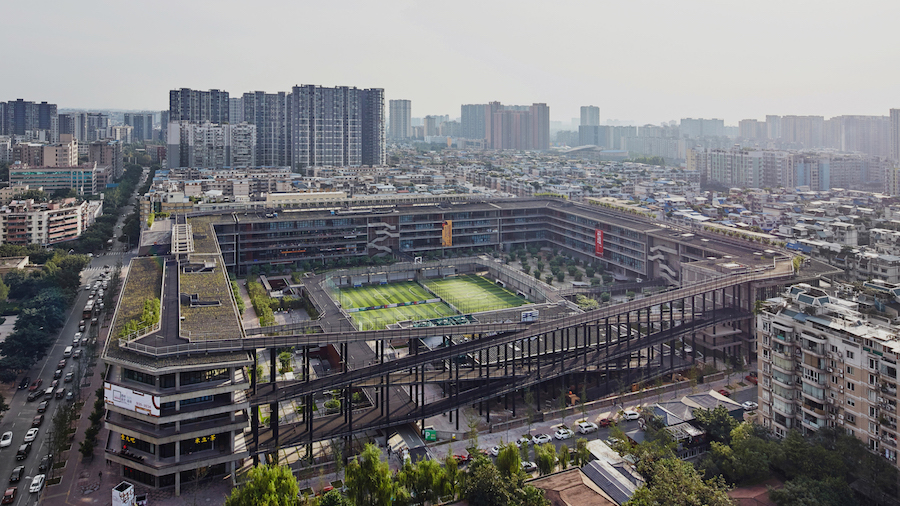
(400, 119)
(540, 126)
(773, 126)
(590, 115)
(432, 126)
(371, 117)
(520, 127)
(269, 112)
(19, 116)
(199, 106)
(694, 128)
(803, 131)
(472, 119)
(211, 145)
(236, 110)
(142, 124)
(895, 135)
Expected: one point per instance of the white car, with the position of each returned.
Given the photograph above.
(529, 467)
(524, 440)
(586, 427)
(37, 483)
(31, 435)
(494, 451)
(6, 439)
(563, 433)
(630, 414)
(539, 439)
(749, 406)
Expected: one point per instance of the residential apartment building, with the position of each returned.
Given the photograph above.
(400, 116)
(63, 154)
(590, 115)
(86, 179)
(198, 106)
(473, 119)
(823, 363)
(27, 222)
(108, 154)
(17, 117)
(209, 145)
(269, 113)
(521, 128)
(142, 123)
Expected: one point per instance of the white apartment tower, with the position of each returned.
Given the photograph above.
(400, 126)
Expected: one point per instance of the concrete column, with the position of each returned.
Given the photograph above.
(177, 484)
(177, 382)
(177, 455)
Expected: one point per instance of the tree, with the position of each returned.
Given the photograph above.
(451, 472)
(424, 480)
(582, 453)
(674, 482)
(368, 479)
(545, 456)
(804, 491)
(564, 456)
(266, 486)
(484, 486)
(717, 423)
(509, 462)
(3, 405)
(334, 498)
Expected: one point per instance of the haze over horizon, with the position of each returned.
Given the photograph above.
(647, 62)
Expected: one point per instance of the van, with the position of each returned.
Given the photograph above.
(49, 392)
(68, 352)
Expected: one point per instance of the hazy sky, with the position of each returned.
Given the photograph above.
(637, 60)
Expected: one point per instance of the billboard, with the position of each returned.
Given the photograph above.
(447, 233)
(132, 400)
(598, 242)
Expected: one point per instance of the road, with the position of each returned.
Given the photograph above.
(18, 418)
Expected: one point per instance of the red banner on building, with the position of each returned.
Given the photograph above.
(598, 243)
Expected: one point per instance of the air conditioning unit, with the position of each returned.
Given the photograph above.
(840, 417)
(842, 374)
(881, 399)
(831, 400)
(842, 388)
(830, 370)
(831, 416)
(841, 422)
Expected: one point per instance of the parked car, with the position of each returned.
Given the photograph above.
(10, 495)
(563, 433)
(749, 405)
(37, 483)
(607, 422)
(24, 383)
(34, 395)
(524, 440)
(61, 364)
(752, 379)
(539, 439)
(42, 407)
(6, 439)
(529, 467)
(23, 451)
(16, 474)
(45, 462)
(57, 374)
(69, 376)
(31, 435)
(587, 427)
(494, 451)
(630, 414)
(36, 385)
(70, 396)
(77, 354)
(724, 392)
(37, 421)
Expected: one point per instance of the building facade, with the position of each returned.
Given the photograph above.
(209, 145)
(27, 222)
(142, 123)
(198, 106)
(822, 363)
(590, 115)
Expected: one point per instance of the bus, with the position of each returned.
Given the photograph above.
(88, 312)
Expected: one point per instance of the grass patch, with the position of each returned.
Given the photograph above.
(380, 295)
(59, 465)
(380, 318)
(474, 294)
(144, 282)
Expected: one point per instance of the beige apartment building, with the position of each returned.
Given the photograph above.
(823, 363)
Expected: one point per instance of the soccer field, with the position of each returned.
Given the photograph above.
(377, 319)
(474, 294)
(380, 295)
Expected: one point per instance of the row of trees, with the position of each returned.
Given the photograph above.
(43, 297)
(370, 482)
(95, 237)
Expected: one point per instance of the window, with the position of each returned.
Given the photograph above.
(851, 402)
(872, 379)
(851, 386)
(849, 354)
(873, 364)
(849, 370)
(851, 418)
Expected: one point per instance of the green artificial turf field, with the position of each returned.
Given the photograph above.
(474, 294)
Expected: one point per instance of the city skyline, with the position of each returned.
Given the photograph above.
(686, 60)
